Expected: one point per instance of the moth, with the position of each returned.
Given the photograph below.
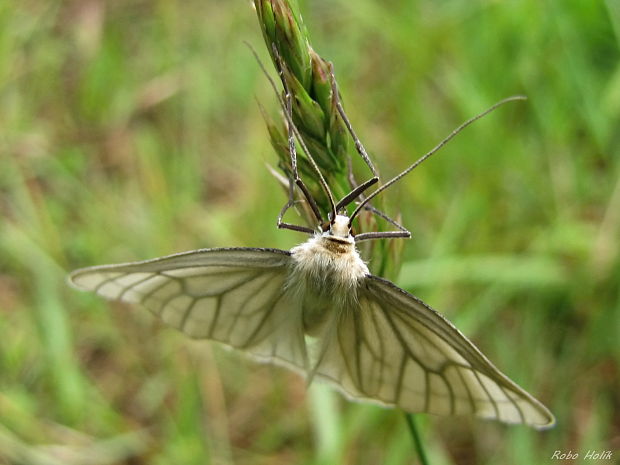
(317, 310)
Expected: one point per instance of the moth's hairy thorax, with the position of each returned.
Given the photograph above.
(332, 262)
(325, 273)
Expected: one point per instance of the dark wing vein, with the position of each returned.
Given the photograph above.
(393, 349)
(412, 321)
(233, 296)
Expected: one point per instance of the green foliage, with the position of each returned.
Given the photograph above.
(307, 78)
(130, 130)
(310, 81)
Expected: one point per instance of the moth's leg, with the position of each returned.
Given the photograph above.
(291, 202)
(295, 227)
(294, 132)
(293, 154)
(313, 206)
(295, 179)
(322, 181)
(379, 213)
(358, 143)
(350, 176)
(354, 188)
(356, 192)
(382, 235)
(402, 231)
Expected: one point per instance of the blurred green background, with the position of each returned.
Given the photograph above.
(130, 130)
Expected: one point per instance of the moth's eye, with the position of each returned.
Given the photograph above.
(325, 226)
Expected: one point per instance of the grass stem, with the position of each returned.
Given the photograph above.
(415, 436)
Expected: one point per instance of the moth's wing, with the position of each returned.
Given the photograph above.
(390, 347)
(234, 296)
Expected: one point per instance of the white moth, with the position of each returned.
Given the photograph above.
(316, 309)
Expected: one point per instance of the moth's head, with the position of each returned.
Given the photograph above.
(340, 227)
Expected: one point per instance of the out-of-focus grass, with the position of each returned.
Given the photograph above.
(129, 130)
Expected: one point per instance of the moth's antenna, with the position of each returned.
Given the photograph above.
(289, 121)
(363, 203)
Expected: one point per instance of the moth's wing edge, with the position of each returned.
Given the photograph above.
(451, 335)
(209, 294)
